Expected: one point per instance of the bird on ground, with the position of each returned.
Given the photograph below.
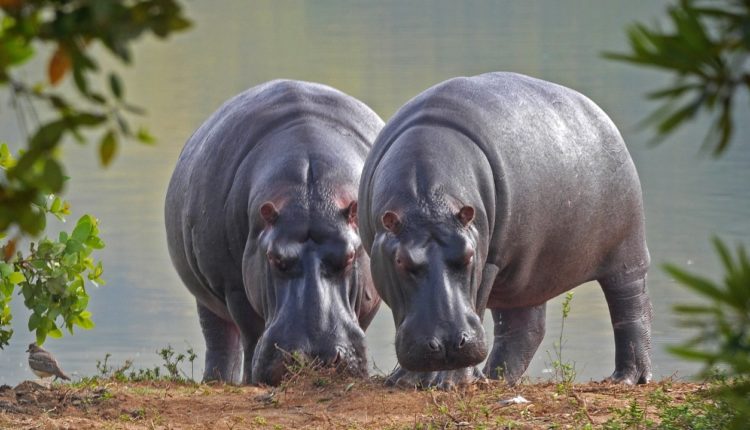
(43, 364)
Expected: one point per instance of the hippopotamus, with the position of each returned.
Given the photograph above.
(501, 191)
(261, 222)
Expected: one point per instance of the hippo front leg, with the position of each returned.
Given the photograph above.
(631, 312)
(250, 327)
(518, 333)
(223, 351)
(444, 380)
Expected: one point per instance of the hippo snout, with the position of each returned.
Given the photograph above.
(428, 349)
(275, 356)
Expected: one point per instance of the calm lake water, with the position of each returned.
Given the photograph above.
(384, 53)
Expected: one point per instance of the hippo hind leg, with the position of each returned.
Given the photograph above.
(631, 313)
(518, 333)
(223, 350)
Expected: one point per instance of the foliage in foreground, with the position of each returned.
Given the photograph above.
(71, 30)
(699, 411)
(707, 49)
(51, 275)
(723, 326)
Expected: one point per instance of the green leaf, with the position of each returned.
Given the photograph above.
(95, 242)
(55, 333)
(144, 136)
(672, 92)
(5, 269)
(34, 321)
(7, 289)
(73, 246)
(48, 135)
(87, 119)
(692, 354)
(694, 309)
(56, 205)
(16, 50)
(53, 175)
(82, 230)
(16, 278)
(6, 158)
(107, 147)
(41, 335)
(115, 85)
(696, 283)
(85, 322)
(678, 117)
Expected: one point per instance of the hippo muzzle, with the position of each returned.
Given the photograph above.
(276, 355)
(432, 342)
(314, 324)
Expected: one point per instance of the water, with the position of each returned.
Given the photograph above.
(384, 53)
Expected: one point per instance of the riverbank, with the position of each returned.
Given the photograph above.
(324, 400)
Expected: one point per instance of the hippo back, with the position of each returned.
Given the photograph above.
(207, 200)
(556, 159)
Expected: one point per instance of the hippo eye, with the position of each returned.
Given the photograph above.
(337, 266)
(463, 261)
(280, 264)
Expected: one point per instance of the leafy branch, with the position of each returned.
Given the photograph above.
(723, 325)
(707, 49)
(52, 275)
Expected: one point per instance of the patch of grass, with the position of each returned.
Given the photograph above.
(564, 371)
(321, 382)
(699, 411)
(125, 372)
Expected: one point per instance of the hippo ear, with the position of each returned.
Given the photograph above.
(391, 222)
(269, 213)
(465, 215)
(350, 213)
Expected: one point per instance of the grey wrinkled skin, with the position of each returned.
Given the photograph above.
(261, 226)
(501, 191)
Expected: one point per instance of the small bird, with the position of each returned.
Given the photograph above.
(43, 364)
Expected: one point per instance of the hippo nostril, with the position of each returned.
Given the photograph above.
(462, 340)
(434, 344)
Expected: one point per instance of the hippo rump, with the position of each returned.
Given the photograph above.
(261, 220)
(501, 191)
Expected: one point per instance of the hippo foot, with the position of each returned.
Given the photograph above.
(443, 380)
(630, 377)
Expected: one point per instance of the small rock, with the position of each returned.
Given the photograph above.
(513, 401)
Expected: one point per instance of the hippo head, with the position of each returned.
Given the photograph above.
(316, 295)
(427, 269)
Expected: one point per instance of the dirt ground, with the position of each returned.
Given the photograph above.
(317, 401)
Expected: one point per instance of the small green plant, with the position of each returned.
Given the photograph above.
(53, 275)
(173, 362)
(631, 417)
(565, 372)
